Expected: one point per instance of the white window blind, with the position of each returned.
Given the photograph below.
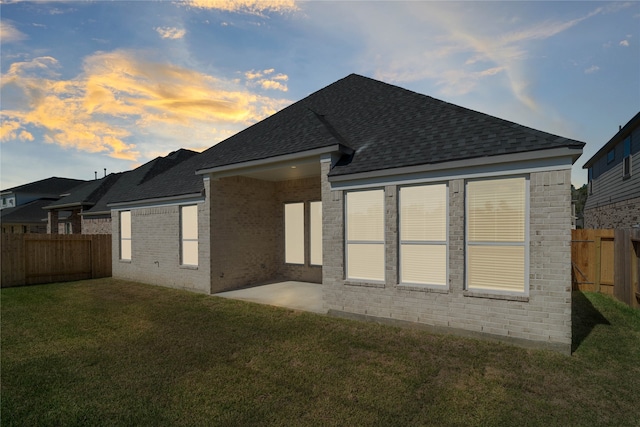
(189, 233)
(365, 235)
(423, 235)
(496, 234)
(294, 233)
(125, 235)
(315, 218)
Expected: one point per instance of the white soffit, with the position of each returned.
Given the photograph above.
(277, 171)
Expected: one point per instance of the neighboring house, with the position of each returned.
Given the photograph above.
(21, 210)
(399, 205)
(614, 181)
(84, 210)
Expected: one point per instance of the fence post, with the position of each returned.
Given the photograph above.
(598, 265)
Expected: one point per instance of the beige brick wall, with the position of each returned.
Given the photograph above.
(155, 248)
(248, 231)
(243, 232)
(96, 225)
(543, 317)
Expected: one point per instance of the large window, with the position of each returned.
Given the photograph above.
(497, 242)
(423, 235)
(125, 235)
(189, 234)
(315, 234)
(365, 235)
(294, 233)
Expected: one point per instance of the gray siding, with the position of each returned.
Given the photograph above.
(610, 187)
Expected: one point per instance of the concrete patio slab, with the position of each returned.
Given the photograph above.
(296, 295)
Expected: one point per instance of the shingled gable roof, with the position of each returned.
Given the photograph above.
(384, 126)
(387, 127)
(95, 195)
(86, 194)
(29, 213)
(53, 186)
(129, 181)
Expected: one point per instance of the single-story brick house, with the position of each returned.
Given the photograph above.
(399, 205)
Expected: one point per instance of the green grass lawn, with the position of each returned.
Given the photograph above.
(110, 352)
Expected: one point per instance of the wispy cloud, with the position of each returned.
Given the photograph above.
(592, 69)
(9, 33)
(172, 33)
(120, 96)
(457, 53)
(247, 6)
(624, 43)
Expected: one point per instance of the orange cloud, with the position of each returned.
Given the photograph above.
(120, 96)
(272, 84)
(268, 82)
(249, 6)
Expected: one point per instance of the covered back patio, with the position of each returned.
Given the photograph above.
(266, 223)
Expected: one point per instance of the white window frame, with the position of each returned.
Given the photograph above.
(525, 244)
(349, 242)
(188, 239)
(294, 234)
(406, 242)
(315, 234)
(123, 239)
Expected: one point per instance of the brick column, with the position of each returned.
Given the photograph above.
(76, 222)
(52, 223)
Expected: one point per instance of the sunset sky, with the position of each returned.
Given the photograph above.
(113, 84)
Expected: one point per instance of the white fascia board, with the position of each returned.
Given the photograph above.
(272, 162)
(157, 202)
(548, 160)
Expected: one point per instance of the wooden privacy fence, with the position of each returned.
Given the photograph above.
(606, 261)
(29, 259)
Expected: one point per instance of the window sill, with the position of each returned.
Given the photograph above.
(125, 261)
(418, 288)
(476, 294)
(364, 284)
(189, 267)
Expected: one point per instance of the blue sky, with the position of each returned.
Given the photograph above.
(113, 84)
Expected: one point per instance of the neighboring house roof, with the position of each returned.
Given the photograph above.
(622, 133)
(86, 194)
(178, 180)
(29, 213)
(129, 181)
(379, 126)
(51, 186)
(93, 196)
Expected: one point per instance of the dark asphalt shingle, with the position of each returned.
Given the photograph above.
(387, 127)
(54, 186)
